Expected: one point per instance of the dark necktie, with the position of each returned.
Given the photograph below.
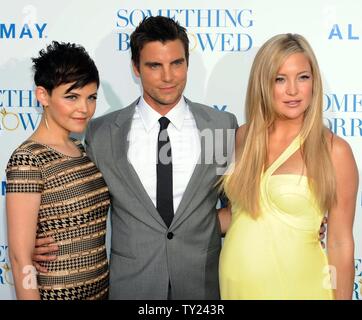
(164, 193)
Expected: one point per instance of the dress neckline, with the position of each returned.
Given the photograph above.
(57, 151)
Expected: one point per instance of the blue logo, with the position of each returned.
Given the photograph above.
(22, 31)
(19, 110)
(342, 33)
(341, 114)
(206, 27)
(220, 107)
(3, 253)
(357, 289)
(3, 188)
(5, 269)
(344, 127)
(351, 102)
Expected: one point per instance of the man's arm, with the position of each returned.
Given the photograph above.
(224, 213)
(224, 216)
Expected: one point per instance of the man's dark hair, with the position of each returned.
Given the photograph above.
(62, 63)
(157, 28)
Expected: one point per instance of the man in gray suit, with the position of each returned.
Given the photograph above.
(166, 237)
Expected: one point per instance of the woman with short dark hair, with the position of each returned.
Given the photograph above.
(53, 189)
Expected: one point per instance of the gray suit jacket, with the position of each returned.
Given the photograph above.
(145, 254)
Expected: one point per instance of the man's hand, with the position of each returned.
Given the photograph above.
(44, 246)
(224, 215)
(322, 232)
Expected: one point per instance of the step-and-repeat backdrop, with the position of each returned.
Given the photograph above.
(224, 37)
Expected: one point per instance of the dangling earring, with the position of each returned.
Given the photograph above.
(45, 117)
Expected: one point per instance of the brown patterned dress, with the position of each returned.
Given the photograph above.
(73, 210)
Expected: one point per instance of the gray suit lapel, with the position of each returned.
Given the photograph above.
(119, 132)
(202, 122)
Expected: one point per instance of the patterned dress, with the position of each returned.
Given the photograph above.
(73, 210)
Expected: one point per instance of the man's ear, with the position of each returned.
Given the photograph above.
(136, 70)
(42, 95)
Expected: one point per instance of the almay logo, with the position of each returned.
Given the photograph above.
(22, 31)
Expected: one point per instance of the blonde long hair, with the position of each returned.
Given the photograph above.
(243, 184)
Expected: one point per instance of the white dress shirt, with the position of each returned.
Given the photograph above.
(185, 145)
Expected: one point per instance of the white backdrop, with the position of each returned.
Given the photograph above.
(224, 35)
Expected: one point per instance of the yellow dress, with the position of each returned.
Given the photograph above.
(278, 255)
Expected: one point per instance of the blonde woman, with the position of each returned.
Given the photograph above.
(290, 170)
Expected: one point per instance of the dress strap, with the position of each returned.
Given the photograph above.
(293, 147)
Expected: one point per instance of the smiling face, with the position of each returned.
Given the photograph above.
(163, 73)
(68, 111)
(293, 87)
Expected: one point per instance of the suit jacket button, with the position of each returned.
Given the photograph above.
(170, 235)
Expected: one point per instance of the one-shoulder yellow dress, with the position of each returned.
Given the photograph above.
(277, 255)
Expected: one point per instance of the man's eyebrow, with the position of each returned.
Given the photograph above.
(152, 63)
(178, 60)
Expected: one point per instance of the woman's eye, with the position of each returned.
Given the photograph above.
(71, 97)
(279, 79)
(305, 77)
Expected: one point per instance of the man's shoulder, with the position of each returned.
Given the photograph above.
(107, 116)
(214, 114)
(110, 117)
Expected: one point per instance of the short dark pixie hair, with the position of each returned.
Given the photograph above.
(157, 28)
(62, 63)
